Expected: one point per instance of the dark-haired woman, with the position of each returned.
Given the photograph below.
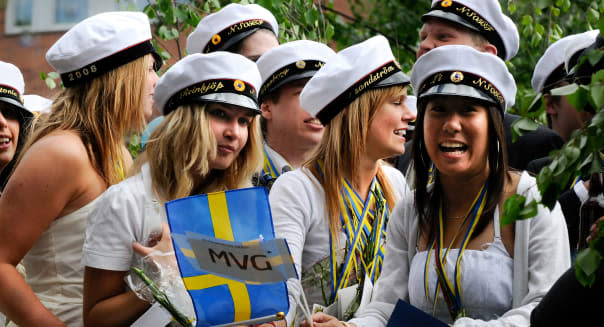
(447, 253)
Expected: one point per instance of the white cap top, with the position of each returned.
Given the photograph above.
(579, 43)
(220, 76)
(12, 86)
(411, 103)
(290, 62)
(366, 65)
(484, 17)
(459, 70)
(220, 30)
(99, 44)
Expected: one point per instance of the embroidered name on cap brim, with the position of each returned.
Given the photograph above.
(219, 40)
(106, 64)
(194, 93)
(467, 79)
(369, 81)
(285, 73)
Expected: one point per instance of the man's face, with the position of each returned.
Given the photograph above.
(438, 32)
(286, 120)
(563, 117)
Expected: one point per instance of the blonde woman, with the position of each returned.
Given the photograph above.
(359, 95)
(209, 141)
(106, 67)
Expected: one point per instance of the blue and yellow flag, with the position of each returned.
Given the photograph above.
(240, 216)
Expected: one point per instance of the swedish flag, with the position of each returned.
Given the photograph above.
(237, 215)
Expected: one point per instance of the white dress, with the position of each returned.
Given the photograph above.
(541, 255)
(298, 208)
(54, 271)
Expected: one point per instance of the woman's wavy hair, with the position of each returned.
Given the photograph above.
(343, 142)
(179, 150)
(101, 111)
(428, 197)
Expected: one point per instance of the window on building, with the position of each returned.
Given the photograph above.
(35, 16)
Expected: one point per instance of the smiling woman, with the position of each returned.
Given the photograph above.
(208, 141)
(14, 119)
(345, 183)
(462, 181)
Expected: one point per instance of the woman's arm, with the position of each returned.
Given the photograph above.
(51, 180)
(290, 208)
(392, 284)
(107, 301)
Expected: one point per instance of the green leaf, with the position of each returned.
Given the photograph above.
(511, 209)
(51, 83)
(597, 95)
(588, 260)
(329, 33)
(595, 56)
(556, 11)
(523, 125)
(43, 76)
(529, 211)
(148, 10)
(579, 99)
(526, 20)
(592, 14)
(565, 90)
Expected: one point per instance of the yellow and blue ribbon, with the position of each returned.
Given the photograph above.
(452, 290)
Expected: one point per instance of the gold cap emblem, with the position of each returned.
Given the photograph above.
(239, 85)
(456, 77)
(446, 3)
(300, 64)
(216, 39)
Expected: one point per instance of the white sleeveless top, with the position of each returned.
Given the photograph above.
(486, 281)
(53, 266)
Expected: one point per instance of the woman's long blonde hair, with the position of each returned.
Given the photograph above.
(101, 111)
(179, 151)
(340, 150)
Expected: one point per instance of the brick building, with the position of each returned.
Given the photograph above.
(29, 27)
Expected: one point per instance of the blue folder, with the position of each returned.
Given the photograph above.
(405, 314)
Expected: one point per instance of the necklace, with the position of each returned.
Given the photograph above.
(456, 217)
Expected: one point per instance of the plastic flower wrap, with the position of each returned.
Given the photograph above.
(159, 280)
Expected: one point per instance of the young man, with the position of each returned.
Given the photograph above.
(290, 133)
(482, 25)
(552, 71)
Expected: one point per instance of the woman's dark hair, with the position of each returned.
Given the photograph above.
(24, 124)
(428, 198)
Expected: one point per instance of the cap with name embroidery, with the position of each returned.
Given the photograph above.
(459, 70)
(348, 74)
(220, 77)
(574, 48)
(99, 44)
(290, 62)
(482, 16)
(12, 87)
(550, 68)
(229, 25)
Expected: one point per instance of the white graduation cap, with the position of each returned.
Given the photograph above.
(459, 70)
(348, 74)
(220, 77)
(290, 62)
(482, 16)
(99, 44)
(229, 25)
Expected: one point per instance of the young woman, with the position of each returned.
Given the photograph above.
(14, 119)
(447, 253)
(209, 141)
(320, 207)
(106, 67)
